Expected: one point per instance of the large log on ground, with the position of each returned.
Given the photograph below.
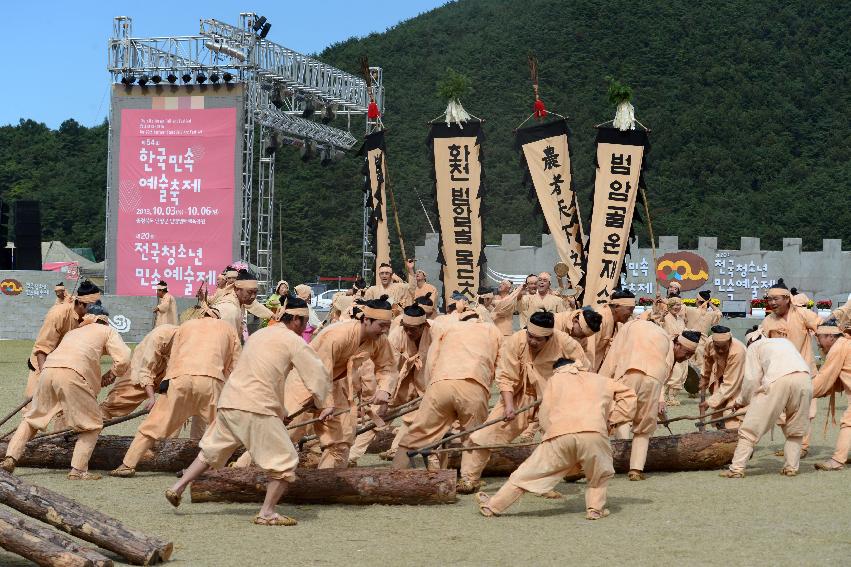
(331, 486)
(672, 453)
(168, 455)
(55, 538)
(81, 521)
(39, 551)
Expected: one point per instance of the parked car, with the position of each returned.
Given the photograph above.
(322, 302)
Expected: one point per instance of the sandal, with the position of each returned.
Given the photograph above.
(173, 497)
(467, 486)
(731, 474)
(276, 520)
(592, 514)
(73, 475)
(482, 500)
(123, 472)
(829, 465)
(786, 471)
(8, 464)
(636, 475)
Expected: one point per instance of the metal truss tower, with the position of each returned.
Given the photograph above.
(281, 86)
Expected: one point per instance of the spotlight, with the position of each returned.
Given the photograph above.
(128, 80)
(259, 23)
(156, 79)
(308, 108)
(308, 150)
(214, 78)
(227, 77)
(186, 77)
(325, 157)
(273, 144)
(172, 78)
(265, 31)
(329, 113)
(143, 80)
(200, 78)
(277, 99)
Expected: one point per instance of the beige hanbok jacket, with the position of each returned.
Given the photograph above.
(257, 382)
(521, 372)
(82, 349)
(576, 401)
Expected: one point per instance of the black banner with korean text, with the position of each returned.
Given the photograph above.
(620, 162)
(375, 172)
(457, 167)
(545, 155)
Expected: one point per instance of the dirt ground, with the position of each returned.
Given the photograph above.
(680, 518)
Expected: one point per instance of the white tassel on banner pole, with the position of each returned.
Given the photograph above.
(624, 117)
(456, 113)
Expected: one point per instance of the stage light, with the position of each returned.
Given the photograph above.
(214, 78)
(143, 80)
(273, 144)
(329, 113)
(308, 150)
(227, 77)
(128, 80)
(186, 77)
(277, 99)
(265, 31)
(172, 78)
(325, 157)
(259, 23)
(200, 78)
(156, 79)
(308, 108)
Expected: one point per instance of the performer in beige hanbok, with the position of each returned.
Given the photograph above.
(723, 374)
(835, 377)
(165, 313)
(70, 382)
(579, 409)
(777, 380)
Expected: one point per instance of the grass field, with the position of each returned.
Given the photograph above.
(691, 518)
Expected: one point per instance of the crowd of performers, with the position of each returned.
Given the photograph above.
(572, 377)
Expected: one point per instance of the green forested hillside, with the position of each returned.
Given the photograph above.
(748, 103)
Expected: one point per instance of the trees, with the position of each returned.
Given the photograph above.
(747, 101)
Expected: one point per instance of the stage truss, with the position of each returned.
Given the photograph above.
(279, 83)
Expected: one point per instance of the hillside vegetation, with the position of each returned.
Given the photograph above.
(748, 103)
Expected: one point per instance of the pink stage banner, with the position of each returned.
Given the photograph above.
(176, 198)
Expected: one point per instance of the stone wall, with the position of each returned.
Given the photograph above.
(734, 276)
(22, 314)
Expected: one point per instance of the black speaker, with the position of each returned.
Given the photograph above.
(27, 235)
(5, 254)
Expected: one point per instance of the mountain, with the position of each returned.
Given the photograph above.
(748, 103)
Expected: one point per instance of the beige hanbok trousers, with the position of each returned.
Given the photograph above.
(474, 462)
(61, 389)
(187, 396)
(263, 436)
(443, 403)
(791, 394)
(554, 459)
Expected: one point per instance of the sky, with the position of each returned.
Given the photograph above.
(59, 47)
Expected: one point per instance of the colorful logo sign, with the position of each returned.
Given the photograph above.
(687, 268)
(11, 287)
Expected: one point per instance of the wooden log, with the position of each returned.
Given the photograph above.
(39, 551)
(331, 486)
(81, 521)
(56, 538)
(671, 453)
(168, 455)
